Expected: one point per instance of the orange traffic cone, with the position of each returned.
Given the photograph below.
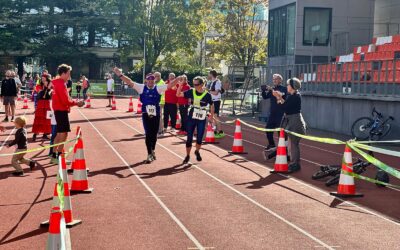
(281, 161)
(88, 104)
(25, 102)
(80, 183)
(67, 210)
(130, 109)
(346, 187)
(113, 104)
(178, 124)
(57, 229)
(139, 107)
(237, 147)
(19, 98)
(210, 137)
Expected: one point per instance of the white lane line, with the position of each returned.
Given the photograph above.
(303, 144)
(237, 192)
(169, 212)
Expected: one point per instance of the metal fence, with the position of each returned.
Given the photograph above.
(378, 78)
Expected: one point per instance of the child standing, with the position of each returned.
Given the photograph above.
(21, 142)
(53, 132)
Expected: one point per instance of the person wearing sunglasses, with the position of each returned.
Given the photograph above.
(150, 96)
(293, 119)
(200, 101)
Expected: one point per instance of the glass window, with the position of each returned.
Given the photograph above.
(317, 26)
(281, 32)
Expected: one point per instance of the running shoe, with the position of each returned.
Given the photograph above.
(19, 173)
(54, 161)
(270, 148)
(182, 133)
(294, 167)
(186, 160)
(12, 119)
(198, 156)
(34, 137)
(45, 137)
(154, 155)
(219, 135)
(5, 119)
(149, 159)
(172, 130)
(32, 165)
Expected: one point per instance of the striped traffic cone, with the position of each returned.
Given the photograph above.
(113, 104)
(139, 107)
(57, 230)
(78, 132)
(25, 102)
(67, 210)
(88, 104)
(210, 137)
(178, 124)
(346, 187)
(80, 183)
(19, 98)
(281, 161)
(130, 109)
(237, 147)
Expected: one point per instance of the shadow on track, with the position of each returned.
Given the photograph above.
(179, 168)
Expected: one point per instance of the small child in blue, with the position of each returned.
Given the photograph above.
(22, 145)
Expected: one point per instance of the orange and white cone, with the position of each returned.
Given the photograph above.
(237, 147)
(281, 161)
(57, 230)
(130, 108)
(210, 137)
(139, 107)
(67, 210)
(178, 124)
(113, 104)
(25, 102)
(80, 182)
(346, 187)
(19, 98)
(88, 104)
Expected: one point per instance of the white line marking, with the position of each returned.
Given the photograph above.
(169, 212)
(237, 192)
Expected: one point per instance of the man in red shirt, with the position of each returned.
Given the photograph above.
(62, 103)
(183, 105)
(170, 107)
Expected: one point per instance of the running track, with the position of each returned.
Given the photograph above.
(224, 202)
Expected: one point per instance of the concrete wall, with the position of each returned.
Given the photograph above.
(387, 11)
(337, 114)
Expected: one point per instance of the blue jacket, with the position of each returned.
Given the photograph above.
(275, 109)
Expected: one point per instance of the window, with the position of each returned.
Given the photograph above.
(317, 26)
(281, 33)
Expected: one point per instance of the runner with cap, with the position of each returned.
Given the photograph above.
(150, 96)
(200, 101)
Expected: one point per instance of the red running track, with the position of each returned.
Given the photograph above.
(223, 202)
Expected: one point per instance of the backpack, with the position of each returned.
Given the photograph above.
(213, 87)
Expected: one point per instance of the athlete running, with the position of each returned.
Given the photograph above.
(150, 96)
(200, 100)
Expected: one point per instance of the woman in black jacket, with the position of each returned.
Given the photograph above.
(293, 120)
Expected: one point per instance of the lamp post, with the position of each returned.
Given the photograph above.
(144, 56)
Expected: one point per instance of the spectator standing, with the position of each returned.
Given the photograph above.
(8, 94)
(170, 106)
(85, 86)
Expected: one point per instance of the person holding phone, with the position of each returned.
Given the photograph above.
(276, 110)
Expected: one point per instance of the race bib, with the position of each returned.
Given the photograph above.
(151, 110)
(199, 114)
(49, 114)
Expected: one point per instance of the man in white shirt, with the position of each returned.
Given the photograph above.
(110, 89)
(215, 88)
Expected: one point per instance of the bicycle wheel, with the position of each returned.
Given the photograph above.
(320, 174)
(384, 130)
(333, 181)
(361, 128)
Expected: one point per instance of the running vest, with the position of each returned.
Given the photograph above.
(197, 99)
(162, 100)
(196, 111)
(150, 97)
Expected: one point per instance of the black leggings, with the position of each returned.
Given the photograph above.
(193, 124)
(151, 129)
(183, 110)
(170, 110)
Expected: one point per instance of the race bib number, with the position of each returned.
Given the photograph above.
(199, 114)
(151, 110)
(49, 115)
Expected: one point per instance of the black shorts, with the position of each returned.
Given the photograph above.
(110, 94)
(62, 120)
(217, 105)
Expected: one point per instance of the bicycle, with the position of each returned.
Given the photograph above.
(374, 128)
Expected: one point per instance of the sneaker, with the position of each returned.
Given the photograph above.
(219, 135)
(182, 133)
(12, 119)
(186, 160)
(54, 161)
(5, 119)
(294, 167)
(270, 148)
(32, 164)
(154, 155)
(19, 173)
(34, 137)
(45, 137)
(149, 159)
(198, 156)
(172, 130)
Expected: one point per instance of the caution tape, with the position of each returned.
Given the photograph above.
(376, 162)
(360, 177)
(41, 148)
(377, 150)
(60, 186)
